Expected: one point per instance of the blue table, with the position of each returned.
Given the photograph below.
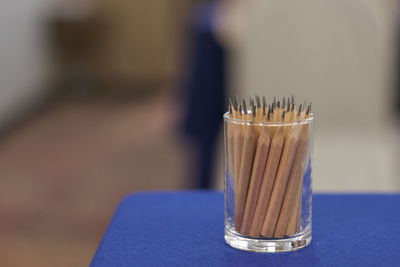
(187, 229)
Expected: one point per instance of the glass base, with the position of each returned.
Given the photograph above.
(297, 242)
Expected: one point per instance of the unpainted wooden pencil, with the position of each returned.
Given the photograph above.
(257, 174)
(258, 102)
(293, 224)
(277, 113)
(278, 191)
(307, 114)
(246, 164)
(265, 110)
(292, 185)
(268, 180)
(230, 128)
(287, 118)
(237, 150)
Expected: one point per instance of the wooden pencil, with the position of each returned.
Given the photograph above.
(307, 114)
(257, 174)
(230, 130)
(293, 224)
(292, 185)
(293, 214)
(246, 164)
(271, 168)
(237, 153)
(264, 108)
(230, 154)
(280, 183)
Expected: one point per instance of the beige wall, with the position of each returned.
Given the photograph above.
(338, 54)
(335, 53)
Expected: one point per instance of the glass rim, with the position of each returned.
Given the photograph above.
(228, 119)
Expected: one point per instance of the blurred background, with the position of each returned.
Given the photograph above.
(102, 98)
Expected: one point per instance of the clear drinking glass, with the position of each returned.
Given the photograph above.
(268, 184)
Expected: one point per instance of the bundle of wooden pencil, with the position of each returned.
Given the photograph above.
(267, 152)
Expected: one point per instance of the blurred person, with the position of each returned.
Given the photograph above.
(205, 91)
(397, 86)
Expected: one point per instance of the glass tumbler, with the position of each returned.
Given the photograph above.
(268, 184)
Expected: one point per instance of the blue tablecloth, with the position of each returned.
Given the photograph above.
(187, 229)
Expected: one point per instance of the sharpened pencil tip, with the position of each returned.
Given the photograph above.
(308, 109)
(235, 102)
(258, 109)
(244, 107)
(258, 101)
(230, 105)
(257, 98)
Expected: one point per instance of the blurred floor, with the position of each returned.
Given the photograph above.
(64, 171)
